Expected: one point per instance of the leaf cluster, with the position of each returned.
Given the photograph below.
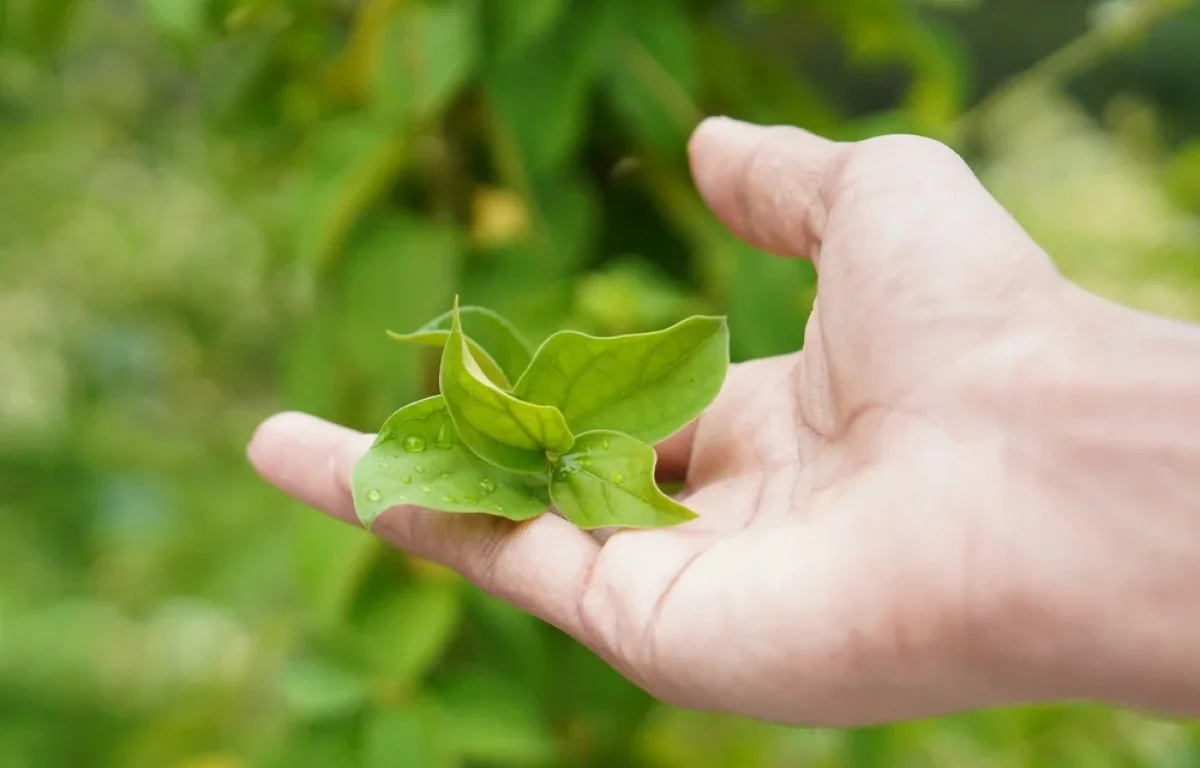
(572, 423)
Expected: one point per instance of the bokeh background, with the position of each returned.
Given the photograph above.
(212, 209)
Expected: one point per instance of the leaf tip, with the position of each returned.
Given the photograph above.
(456, 316)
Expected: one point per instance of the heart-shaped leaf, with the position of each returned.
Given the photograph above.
(647, 385)
(495, 425)
(499, 348)
(419, 459)
(607, 479)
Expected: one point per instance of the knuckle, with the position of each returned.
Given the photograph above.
(470, 546)
(480, 552)
(899, 157)
(777, 182)
(908, 146)
(770, 163)
(596, 611)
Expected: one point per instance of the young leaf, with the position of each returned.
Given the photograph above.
(499, 348)
(608, 480)
(419, 459)
(498, 427)
(647, 385)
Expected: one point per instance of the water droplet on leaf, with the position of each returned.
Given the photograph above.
(450, 498)
(487, 485)
(470, 499)
(414, 444)
(604, 444)
(425, 489)
(374, 495)
(618, 478)
(406, 479)
(420, 469)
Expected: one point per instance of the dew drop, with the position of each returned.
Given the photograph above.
(420, 470)
(384, 465)
(425, 489)
(450, 498)
(618, 478)
(406, 479)
(604, 444)
(374, 495)
(470, 499)
(499, 508)
(414, 444)
(442, 442)
(487, 485)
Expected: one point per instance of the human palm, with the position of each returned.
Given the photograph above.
(833, 575)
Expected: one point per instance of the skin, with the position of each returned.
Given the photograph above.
(972, 488)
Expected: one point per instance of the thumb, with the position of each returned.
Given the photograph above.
(768, 185)
(793, 193)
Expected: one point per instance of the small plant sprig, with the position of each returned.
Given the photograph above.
(571, 424)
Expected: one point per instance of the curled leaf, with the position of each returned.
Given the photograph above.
(607, 479)
(499, 348)
(647, 385)
(418, 459)
(496, 426)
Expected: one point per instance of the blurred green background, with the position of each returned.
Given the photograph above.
(212, 209)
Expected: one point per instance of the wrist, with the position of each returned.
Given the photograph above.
(1115, 459)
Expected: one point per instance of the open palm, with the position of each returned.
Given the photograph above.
(834, 575)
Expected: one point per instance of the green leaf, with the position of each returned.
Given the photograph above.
(647, 385)
(487, 364)
(495, 425)
(499, 348)
(608, 480)
(419, 459)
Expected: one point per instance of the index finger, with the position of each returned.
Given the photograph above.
(542, 565)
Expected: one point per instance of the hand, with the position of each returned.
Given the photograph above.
(878, 538)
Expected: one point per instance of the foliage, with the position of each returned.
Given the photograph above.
(574, 423)
(420, 458)
(210, 209)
